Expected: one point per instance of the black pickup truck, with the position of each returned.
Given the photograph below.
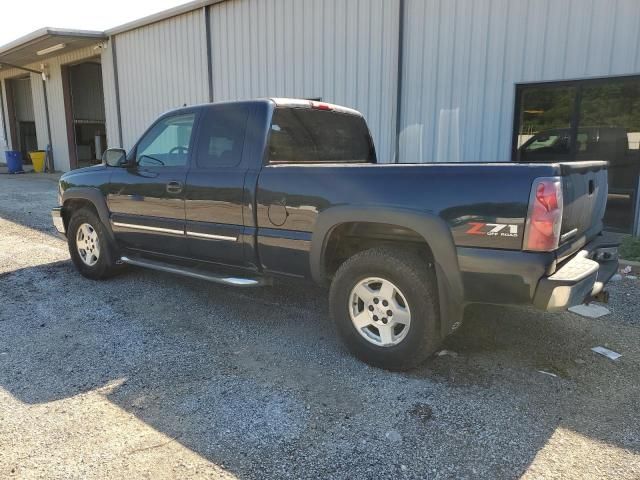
(241, 193)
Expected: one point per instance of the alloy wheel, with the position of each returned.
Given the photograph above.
(379, 311)
(88, 244)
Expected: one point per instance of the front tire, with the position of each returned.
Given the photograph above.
(384, 304)
(90, 246)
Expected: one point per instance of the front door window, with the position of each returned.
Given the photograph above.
(167, 143)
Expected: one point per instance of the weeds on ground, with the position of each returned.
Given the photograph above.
(630, 249)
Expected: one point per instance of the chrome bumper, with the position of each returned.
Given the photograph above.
(580, 279)
(58, 221)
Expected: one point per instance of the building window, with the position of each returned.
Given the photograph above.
(580, 120)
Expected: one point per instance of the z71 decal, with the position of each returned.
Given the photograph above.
(493, 229)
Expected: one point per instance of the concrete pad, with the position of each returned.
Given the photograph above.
(590, 311)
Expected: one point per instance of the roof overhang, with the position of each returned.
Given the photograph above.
(46, 43)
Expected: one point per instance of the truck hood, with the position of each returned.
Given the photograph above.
(81, 171)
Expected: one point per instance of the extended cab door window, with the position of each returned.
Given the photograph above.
(221, 136)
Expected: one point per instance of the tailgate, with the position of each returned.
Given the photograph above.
(584, 190)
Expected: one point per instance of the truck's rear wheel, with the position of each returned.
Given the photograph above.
(90, 246)
(384, 303)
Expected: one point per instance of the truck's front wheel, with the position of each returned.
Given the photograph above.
(90, 248)
(384, 303)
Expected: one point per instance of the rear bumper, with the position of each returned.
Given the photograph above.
(581, 277)
(511, 277)
(58, 220)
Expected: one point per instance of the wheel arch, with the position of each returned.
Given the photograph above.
(429, 227)
(76, 197)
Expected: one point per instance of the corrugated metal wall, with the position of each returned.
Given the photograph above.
(160, 66)
(344, 52)
(464, 57)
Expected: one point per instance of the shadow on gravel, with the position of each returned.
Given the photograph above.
(255, 380)
(33, 223)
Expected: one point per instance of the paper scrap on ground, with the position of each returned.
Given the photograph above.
(547, 373)
(442, 353)
(626, 269)
(590, 311)
(607, 353)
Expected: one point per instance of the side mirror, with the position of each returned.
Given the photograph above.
(114, 157)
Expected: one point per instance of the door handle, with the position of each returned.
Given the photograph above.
(174, 187)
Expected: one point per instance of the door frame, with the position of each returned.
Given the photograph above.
(578, 83)
(11, 114)
(68, 116)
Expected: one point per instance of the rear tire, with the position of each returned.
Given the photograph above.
(92, 251)
(384, 304)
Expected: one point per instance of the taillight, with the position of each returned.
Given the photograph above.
(544, 220)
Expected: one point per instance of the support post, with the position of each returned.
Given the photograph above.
(207, 30)
(4, 118)
(636, 210)
(51, 163)
(116, 81)
(401, 13)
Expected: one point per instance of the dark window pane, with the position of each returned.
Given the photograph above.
(544, 130)
(306, 135)
(167, 143)
(610, 118)
(221, 137)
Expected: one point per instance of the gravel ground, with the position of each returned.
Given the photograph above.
(150, 375)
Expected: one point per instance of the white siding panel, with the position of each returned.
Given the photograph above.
(344, 52)
(160, 66)
(39, 111)
(110, 104)
(463, 59)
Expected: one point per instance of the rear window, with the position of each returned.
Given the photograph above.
(300, 135)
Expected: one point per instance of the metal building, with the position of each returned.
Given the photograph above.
(438, 80)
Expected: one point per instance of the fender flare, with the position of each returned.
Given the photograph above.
(96, 198)
(430, 227)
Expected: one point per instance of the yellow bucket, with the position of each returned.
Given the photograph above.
(37, 158)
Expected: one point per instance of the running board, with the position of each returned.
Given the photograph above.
(189, 272)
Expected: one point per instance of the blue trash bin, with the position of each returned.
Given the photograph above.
(14, 161)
